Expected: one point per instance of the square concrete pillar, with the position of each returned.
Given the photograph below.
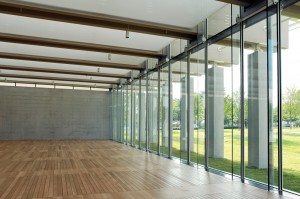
(184, 125)
(216, 112)
(257, 110)
(152, 117)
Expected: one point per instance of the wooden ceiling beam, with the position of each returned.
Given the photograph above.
(39, 11)
(56, 84)
(60, 71)
(57, 78)
(58, 60)
(56, 43)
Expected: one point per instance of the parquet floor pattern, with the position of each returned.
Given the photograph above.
(106, 169)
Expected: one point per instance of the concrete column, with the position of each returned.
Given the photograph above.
(257, 110)
(216, 112)
(165, 108)
(152, 117)
(183, 115)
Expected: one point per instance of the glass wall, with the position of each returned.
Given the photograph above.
(153, 111)
(290, 48)
(230, 102)
(164, 111)
(256, 101)
(125, 113)
(197, 107)
(136, 112)
(143, 113)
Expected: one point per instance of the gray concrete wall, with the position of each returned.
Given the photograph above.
(39, 113)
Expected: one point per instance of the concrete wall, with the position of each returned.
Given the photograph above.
(38, 113)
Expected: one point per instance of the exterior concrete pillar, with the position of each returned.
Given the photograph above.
(216, 112)
(257, 110)
(165, 109)
(184, 125)
(153, 117)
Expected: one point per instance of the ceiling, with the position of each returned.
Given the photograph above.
(96, 53)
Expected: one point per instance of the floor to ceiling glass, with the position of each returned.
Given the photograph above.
(125, 113)
(136, 112)
(153, 111)
(256, 101)
(290, 48)
(128, 115)
(220, 103)
(164, 114)
(197, 88)
(143, 113)
(160, 117)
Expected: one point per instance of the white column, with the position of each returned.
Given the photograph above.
(216, 112)
(257, 110)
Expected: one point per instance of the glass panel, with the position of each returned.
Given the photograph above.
(143, 121)
(128, 115)
(125, 112)
(136, 111)
(256, 103)
(219, 20)
(272, 99)
(236, 102)
(153, 111)
(197, 68)
(164, 107)
(220, 98)
(290, 41)
(114, 114)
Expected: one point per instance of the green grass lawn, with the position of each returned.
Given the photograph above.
(291, 156)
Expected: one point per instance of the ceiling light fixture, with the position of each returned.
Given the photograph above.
(127, 34)
(109, 56)
(98, 70)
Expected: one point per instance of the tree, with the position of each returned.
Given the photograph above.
(291, 105)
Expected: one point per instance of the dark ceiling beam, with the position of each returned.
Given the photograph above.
(68, 61)
(60, 71)
(92, 19)
(57, 78)
(56, 43)
(292, 11)
(56, 84)
(244, 3)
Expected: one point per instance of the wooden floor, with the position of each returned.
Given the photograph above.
(105, 169)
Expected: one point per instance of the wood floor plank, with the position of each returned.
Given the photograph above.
(95, 169)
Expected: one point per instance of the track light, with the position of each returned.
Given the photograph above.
(109, 56)
(98, 70)
(127, 34)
